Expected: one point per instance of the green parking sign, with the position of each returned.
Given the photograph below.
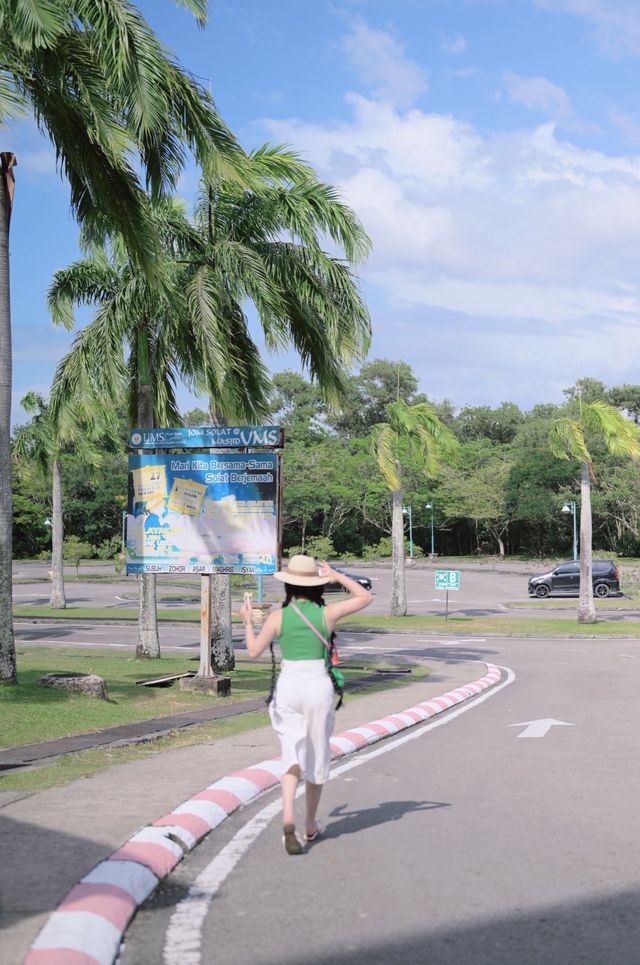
(447, 579)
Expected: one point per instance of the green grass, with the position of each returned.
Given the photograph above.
(71, 767)
(494, 626)
(30, 713)
(630, 601)
(181, 615)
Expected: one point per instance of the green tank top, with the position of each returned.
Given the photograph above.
(297, 641)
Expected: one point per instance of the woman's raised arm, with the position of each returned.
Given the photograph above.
(360, 598)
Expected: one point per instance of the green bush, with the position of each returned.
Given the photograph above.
(109, 548)
(321, 547)
(347, 558)
(74, 551)
(380, 551)
(384, 550)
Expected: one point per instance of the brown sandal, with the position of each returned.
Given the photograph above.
(291, 841)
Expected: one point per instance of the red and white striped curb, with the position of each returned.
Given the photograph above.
(88, 925)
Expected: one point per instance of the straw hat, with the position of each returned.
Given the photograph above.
(301, 571)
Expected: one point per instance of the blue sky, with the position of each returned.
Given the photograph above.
(491, 148)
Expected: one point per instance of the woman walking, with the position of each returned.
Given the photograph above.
(301, 706)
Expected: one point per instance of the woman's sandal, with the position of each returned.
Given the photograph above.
(291, 841)
(316, 834)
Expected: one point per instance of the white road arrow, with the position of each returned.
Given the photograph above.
(538, 728)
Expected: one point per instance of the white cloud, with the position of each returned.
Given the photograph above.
(382, 66)
(526, 242)
(538, 94)
(615, 23)
(454, 45)
(627, 126)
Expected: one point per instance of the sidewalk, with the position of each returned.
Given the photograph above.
(49, 840)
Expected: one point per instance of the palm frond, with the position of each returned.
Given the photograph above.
(35, 23)
(566, 441)
(89, 281)
(384, 445)
(620, 434)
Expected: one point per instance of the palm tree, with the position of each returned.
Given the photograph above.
(259, 244)
(570, 439)
(142, 342)
(415, 432)
(7, 645)
(37, 449)
(103, 89)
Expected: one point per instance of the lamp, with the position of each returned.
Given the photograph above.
(406, 511)
(432, 506)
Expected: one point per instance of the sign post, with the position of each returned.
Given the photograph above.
(204, 670)
(447, 580)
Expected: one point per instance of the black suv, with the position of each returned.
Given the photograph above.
(565, 580)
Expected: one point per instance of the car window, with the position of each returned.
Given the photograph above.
(566, 568)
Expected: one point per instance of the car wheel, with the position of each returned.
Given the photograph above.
(601, 590)
(542, 591)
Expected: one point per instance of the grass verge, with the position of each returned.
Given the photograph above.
(179, 615)
(30, 713)
(71, 767)
(495, 626)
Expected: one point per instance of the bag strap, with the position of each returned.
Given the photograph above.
(310, 625)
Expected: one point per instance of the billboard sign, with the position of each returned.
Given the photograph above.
(204, 513)
(208, 437)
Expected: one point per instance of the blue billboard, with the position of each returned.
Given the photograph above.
(204, 513)
(208, 437)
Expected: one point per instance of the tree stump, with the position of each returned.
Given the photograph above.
(89, 684)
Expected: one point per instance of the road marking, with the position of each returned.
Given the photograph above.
(631, 655)
(183, 939)
(538, 728)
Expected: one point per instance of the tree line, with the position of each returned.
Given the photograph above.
(500, 492)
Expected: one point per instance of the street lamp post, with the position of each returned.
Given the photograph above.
(432, 506)
(571, 508)
(407, 512)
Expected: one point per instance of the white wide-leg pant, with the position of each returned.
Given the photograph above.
(302, 713)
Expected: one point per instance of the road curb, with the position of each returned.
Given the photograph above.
(88, 925)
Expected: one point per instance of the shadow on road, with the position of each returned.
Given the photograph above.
(350, 822)
(39, 866)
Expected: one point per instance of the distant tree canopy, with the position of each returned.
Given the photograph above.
(503, 487)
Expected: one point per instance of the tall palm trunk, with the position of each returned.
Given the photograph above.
(8, 672)
(586, 606)
(398, 589)
(57, 601)
(223, 657)
(148, 645)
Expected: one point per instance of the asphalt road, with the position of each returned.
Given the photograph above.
(484, 591)
(458, 843)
